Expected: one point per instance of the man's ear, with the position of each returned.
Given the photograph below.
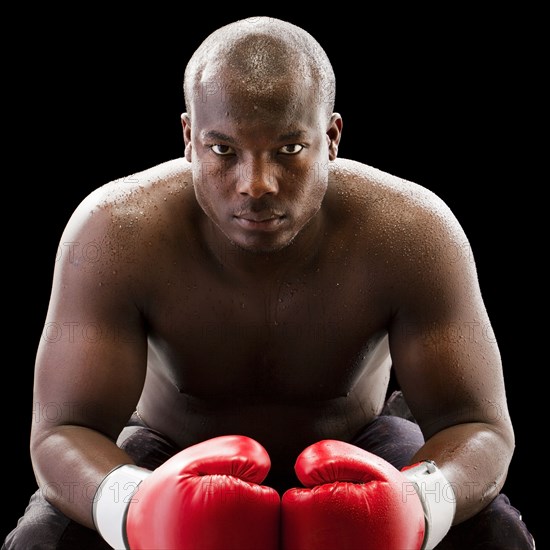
(186, 125)
(334, 133)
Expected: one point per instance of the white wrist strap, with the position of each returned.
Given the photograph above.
(437, 497)
(111, 502)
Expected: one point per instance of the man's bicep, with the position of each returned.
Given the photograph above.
(91, 360)
(87, 381)
(447, 378)
(444, 352)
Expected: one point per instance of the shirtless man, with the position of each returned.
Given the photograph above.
(264, 288)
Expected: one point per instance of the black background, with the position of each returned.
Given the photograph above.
(435, 98)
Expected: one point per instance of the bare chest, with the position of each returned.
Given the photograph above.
(301, 337)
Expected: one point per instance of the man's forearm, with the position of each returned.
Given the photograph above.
(474, 458)
(70, 462)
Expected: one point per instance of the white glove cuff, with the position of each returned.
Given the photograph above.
(437, 497)
(111, 502)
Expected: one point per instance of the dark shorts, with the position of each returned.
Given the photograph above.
(393, 436)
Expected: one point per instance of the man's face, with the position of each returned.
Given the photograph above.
(260, 160)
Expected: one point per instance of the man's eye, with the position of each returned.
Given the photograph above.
(291, 149)
(222, 150)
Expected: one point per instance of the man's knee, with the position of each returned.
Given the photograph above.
(41, 527)
(392, 438)
(497, 527)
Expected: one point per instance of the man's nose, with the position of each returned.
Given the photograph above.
(257, 179)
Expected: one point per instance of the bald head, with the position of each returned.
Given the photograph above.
(261, 57)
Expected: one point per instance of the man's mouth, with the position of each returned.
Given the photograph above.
(266, 221)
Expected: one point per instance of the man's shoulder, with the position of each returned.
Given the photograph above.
(143, 187)
(392, 210)
(372, 190)
(127, 222)
(126, 212)
(130, 198)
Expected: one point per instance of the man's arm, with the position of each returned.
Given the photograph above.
(448, 364)
(91, 361)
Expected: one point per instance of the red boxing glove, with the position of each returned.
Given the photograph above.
(354, 499)
(206, 497)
